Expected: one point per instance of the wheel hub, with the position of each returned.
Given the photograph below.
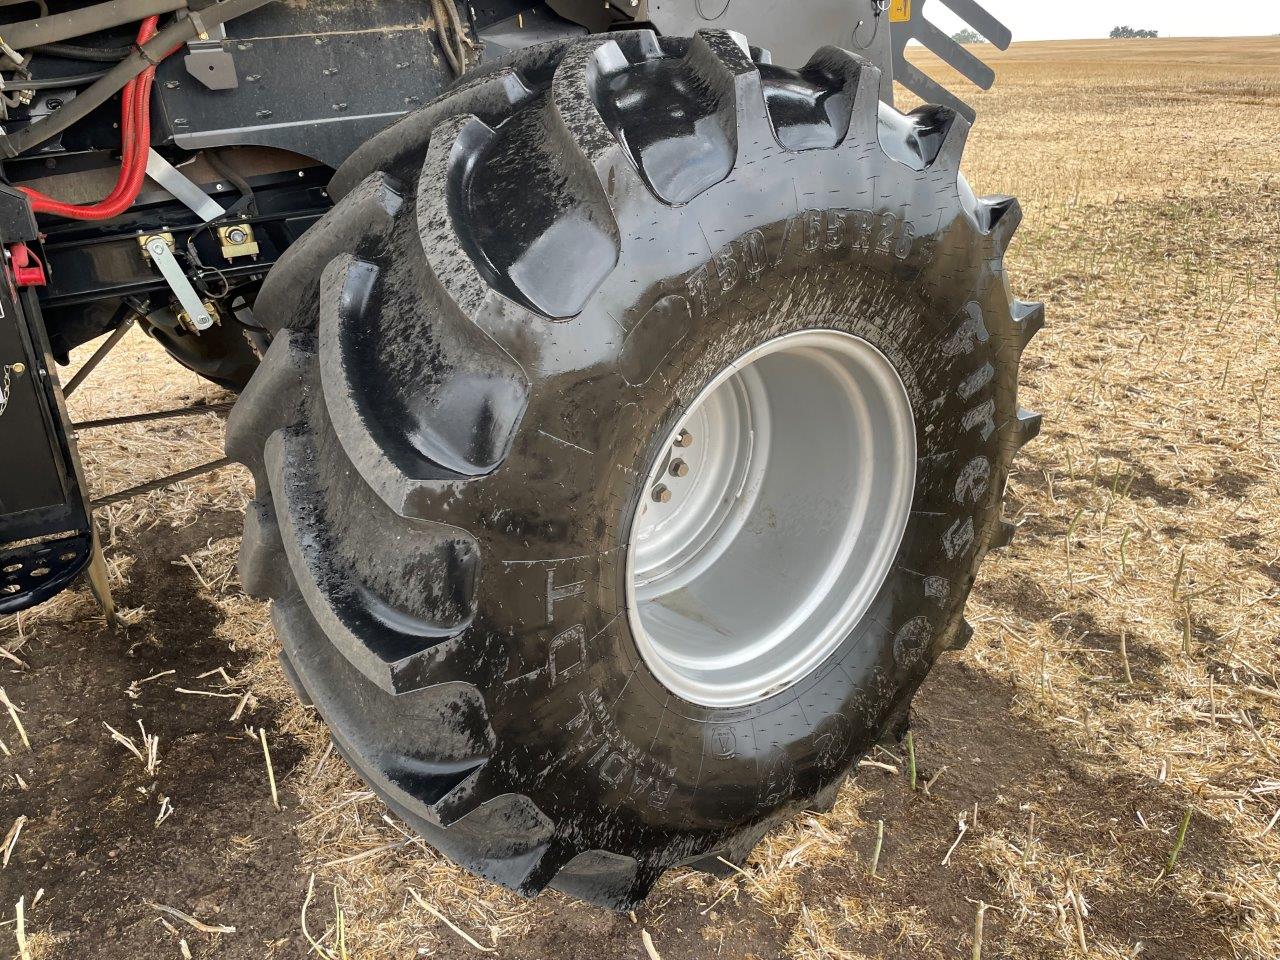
(771, 517)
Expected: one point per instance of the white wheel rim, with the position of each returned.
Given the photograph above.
(758, 547)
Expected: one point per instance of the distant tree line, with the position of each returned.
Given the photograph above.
(1130, 33)
(968, 36)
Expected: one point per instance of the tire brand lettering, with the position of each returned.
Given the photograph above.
(568, 654)
(613, 769)
(972, 331)
(831, 741)
(613, 758)
(556, 594)
(973, 481)
(857, 232)
(958, 538)
(567, 657)
(983, 415)
(975, 478)
(911, 640)
(976, 381)
(937, 589)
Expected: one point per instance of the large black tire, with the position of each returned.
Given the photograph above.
(479, 350)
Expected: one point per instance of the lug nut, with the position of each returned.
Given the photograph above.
(684, 439)
(679, 468)
(661, 494)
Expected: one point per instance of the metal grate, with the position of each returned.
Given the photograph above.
(909, 24)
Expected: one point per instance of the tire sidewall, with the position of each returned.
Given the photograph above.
(624, 741)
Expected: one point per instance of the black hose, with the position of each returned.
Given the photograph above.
(150, 53)
(70, 51)
(41, 5)
(86, 20)
(51, 83)
(218, 162)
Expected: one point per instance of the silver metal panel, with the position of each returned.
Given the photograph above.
(790, 31)
(172, 179)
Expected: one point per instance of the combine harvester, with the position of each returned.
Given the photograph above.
(628, 388)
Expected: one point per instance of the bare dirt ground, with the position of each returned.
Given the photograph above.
(1123, 681)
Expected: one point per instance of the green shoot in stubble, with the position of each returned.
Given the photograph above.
(1115, 489)
(1178, 842)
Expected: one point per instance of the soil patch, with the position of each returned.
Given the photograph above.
(91, 841)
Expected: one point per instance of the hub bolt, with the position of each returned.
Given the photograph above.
(684, 439)
(661, 494)
(679, 468)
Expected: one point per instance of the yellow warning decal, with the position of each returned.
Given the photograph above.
(900, 11)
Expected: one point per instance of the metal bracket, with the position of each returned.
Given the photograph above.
(172, 179)
(100, 581)
(910, 24)
(160, 253)
(144, 241)
(237, 241)
(210, 307)
(44, 515)
(209, 62)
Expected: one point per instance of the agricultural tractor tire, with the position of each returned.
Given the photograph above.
(630, 435)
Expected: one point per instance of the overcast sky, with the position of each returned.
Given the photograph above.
(1083, 19)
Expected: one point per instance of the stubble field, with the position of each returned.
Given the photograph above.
(1098, 774)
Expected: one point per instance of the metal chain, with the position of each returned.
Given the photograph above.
(4, 391)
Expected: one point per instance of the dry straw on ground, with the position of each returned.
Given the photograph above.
(1109, 742)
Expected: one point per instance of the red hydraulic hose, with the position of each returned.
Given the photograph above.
(135, 133)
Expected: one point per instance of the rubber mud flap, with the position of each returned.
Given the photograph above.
(455, 446)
